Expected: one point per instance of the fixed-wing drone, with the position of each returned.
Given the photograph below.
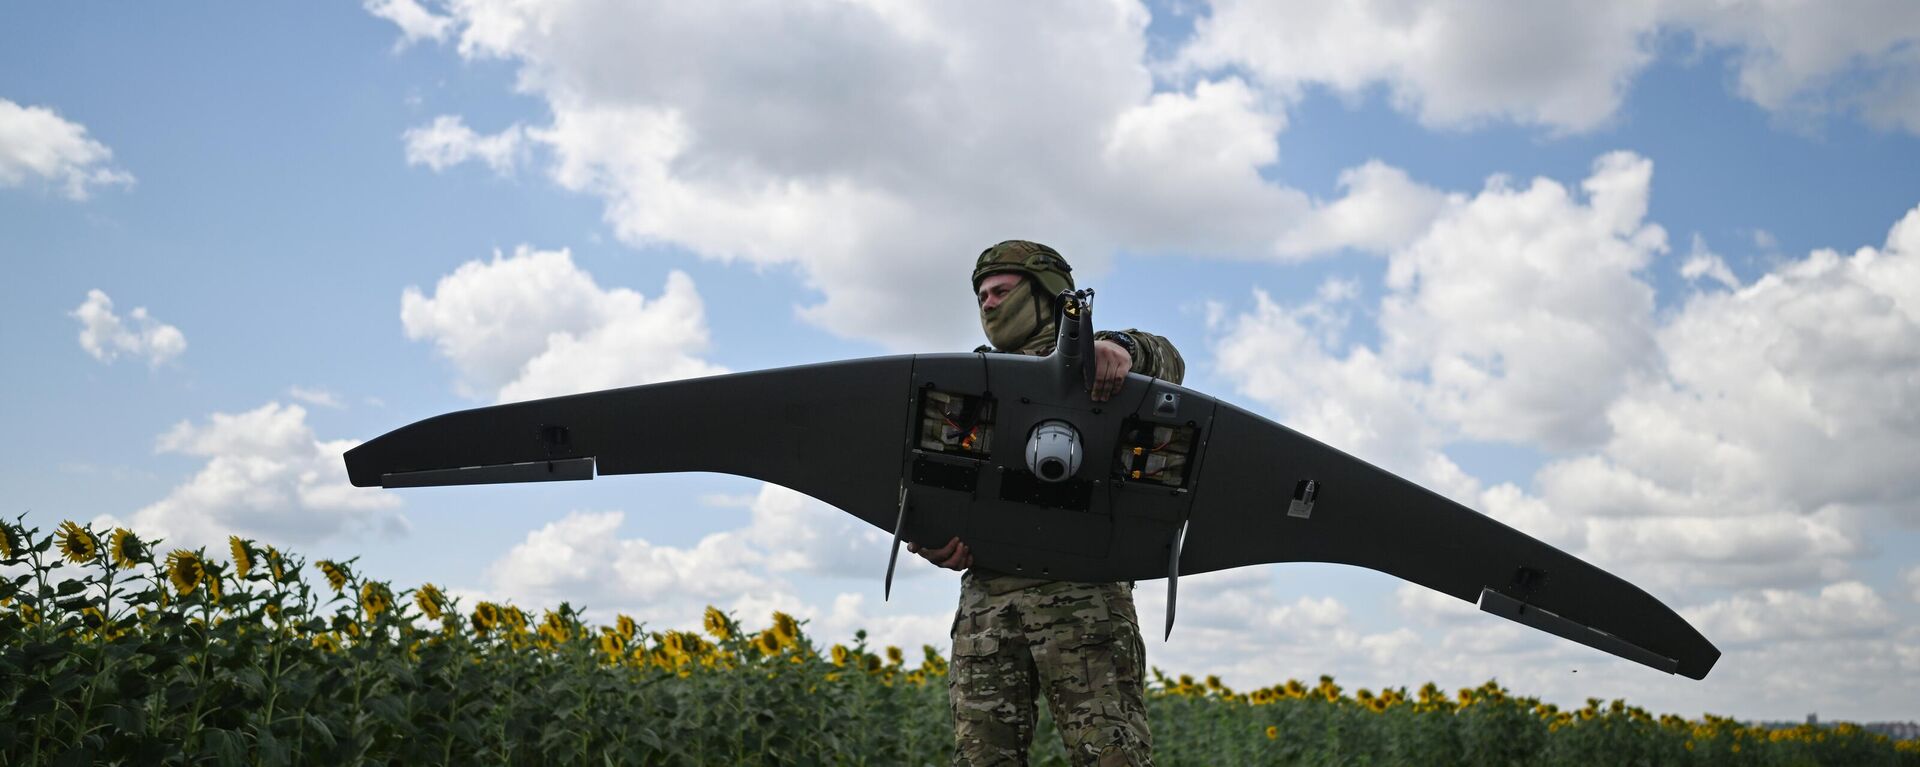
(1011, 454)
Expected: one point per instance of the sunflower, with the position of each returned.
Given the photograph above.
(215, 590)
(626, 628)
(717, 624)
(431, 602)
(336, 575)
(326, 642)
(611, 645)
(124, 548)
(375, 599)
(276, 565)
(894, 656)
(840, 655)
(1273, 732)
(76, 544)
(185, 570)
(242, 556)
(486, 616)
(28, 614)
(767, 642)
(785, 628)
(553, 626)
(8, 547)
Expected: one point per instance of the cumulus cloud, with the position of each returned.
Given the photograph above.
(1845, 609)
(35, 142)
(106, 336)
(1516, 314)
(319, 397)
(874, 149)
(1382, 209)
(789, 534)
(1750, 437)
(584, 558)
(1702, 262)
(447, 142)
(266, 476)
(1525, 306)
(416, 23)
(1564, 65)
(1780, 419)
(800, 534)
(535, 325)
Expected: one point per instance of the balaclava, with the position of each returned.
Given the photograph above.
(1023, 321)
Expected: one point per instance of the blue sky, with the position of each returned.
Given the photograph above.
(264, 181)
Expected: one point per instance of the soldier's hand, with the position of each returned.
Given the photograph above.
(1111, 364)
(953, 556)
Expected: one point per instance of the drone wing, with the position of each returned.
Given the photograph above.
(832, 431)
(856, 435)
(1269, 494)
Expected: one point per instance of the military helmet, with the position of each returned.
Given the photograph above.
(1045, 265)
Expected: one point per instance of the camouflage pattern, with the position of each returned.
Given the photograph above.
(1045, 265)
(1076, 643)
(1016, 637)
(1157, 357)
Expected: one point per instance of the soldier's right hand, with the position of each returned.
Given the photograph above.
(953, 556)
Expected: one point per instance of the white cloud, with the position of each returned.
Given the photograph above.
(1565, 65)
(1779, 422)
(535, 325)
(1913, 583)
(319, 397)
(1845, 609)
(105, 336)
(1525, 308)
(874, 149)
(416, 23)
(266, 476)
(789, 534)
(800, 534)
(447, 142)
(1382, 210)
(35, 142)
(1514, 315)
(1702, 262)
(1793, 56)
(581, 557)
(1751, 437)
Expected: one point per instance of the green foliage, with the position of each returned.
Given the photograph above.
(112, 654)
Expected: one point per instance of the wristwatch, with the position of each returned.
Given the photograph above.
(1126, 342)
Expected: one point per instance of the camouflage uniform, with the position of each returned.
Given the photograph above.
(1016, 637)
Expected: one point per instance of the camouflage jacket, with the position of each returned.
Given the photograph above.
(1156, 355)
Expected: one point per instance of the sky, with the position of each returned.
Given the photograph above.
(1639, 279)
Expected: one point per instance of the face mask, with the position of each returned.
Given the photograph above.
(1011, 325)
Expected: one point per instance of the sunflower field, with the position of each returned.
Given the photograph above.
(112, 652)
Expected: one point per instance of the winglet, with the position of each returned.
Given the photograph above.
(526, 471)
(1173, 577)
(1552, 623)
(899, 523)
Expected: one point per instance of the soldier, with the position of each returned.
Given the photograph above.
(1017, 637)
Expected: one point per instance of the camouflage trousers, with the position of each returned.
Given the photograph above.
(1076, 643)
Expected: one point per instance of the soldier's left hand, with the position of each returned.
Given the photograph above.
(1111, 363)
